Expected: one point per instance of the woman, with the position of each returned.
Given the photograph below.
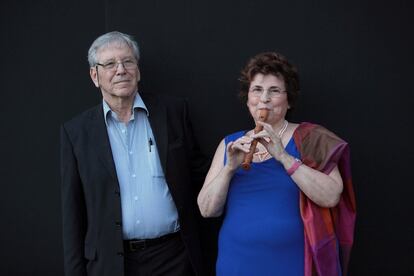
(293, 212)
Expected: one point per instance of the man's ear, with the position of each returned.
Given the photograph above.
(94, 76)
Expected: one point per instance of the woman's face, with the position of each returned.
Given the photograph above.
(268, 92)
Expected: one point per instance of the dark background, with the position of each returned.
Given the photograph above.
(356, 65)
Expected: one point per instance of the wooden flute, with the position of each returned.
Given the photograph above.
(249, 156)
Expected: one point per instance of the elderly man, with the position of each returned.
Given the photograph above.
(130, 172)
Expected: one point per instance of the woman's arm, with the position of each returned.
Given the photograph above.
(325, 190)
(213, 195)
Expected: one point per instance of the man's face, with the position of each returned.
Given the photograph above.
(119, 80)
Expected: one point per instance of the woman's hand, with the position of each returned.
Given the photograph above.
(270, 140)
(325, 190)
(236, 151)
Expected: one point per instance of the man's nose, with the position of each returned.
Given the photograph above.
(120, 68)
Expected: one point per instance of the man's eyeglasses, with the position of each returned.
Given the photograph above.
(272, 92)
(128, 64)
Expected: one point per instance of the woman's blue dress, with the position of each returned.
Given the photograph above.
(262, 231)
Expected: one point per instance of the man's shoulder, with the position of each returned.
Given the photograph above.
(81, 118)
(161, 97)
(167, 101)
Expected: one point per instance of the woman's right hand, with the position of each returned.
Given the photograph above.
(236, 152)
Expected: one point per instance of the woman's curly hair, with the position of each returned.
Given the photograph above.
(274, 64)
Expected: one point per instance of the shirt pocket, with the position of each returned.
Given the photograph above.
(154, 160)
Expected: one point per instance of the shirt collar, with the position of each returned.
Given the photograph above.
(138, 104)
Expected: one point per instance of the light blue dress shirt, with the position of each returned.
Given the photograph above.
(148, 210)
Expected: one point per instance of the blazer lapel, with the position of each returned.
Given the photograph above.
(158, 122)
(101, 144)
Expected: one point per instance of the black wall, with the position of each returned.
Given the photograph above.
(356, 64)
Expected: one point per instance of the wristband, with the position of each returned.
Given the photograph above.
(294, 167)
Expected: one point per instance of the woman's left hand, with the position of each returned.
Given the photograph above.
(325, 190)
(270, 140)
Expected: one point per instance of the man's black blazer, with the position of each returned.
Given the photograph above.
(92, 220)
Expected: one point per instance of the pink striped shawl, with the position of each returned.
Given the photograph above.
(328, 231)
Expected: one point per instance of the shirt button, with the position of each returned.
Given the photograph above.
(130, 152)
(138, 221)
(135, 197)
(134, 175)
(123, 130)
